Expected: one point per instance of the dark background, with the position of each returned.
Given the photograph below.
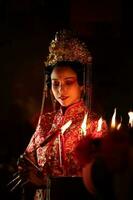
(26, 29)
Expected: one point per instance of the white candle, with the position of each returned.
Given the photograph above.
(130, 118)
(84, 124)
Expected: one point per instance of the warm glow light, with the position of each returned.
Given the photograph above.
(130, 118)
(119, 125)
(113, 122)
(99, 127)
(84, 124)
(66, 126)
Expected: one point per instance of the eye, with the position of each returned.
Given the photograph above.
(55, 83)
(70, 82)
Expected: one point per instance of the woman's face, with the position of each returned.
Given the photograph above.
(65, 87)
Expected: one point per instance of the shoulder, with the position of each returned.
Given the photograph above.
(48, 115)
(46, 119)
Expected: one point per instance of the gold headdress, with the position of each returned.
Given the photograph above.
(67, 47)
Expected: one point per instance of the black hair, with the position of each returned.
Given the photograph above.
(77, 67)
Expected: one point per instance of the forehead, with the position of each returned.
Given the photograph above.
(63, 72)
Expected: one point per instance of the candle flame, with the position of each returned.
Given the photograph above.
(65, 126)
(84, 124)
(130, 118)
(99, 127)
(113, 122)
(119, 125)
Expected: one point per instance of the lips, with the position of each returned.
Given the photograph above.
(63, 98)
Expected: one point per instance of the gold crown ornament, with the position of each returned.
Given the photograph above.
(67, 47)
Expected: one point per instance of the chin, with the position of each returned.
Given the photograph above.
(65, 104)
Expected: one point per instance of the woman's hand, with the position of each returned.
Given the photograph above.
(29, 172)
(36, 177)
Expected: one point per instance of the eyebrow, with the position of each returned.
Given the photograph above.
(71, 77)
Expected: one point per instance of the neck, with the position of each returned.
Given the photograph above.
(64, 109)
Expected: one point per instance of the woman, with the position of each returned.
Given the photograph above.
(52, 146)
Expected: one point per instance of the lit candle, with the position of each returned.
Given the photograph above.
(98, 133)
(99, 127)
(130, 119)
(119, 125)
(113, 122)
(130, 126)
(84, 124)
(65, 126)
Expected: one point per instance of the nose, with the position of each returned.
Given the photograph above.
(62, 89)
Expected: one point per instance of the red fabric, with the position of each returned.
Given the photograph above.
(47, 156)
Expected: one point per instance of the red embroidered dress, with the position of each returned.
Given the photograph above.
(48, 156)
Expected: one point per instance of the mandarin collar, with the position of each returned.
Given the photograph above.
(76, 107)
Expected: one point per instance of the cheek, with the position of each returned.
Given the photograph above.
(75, 91)
(54, 91)
(78, 91)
